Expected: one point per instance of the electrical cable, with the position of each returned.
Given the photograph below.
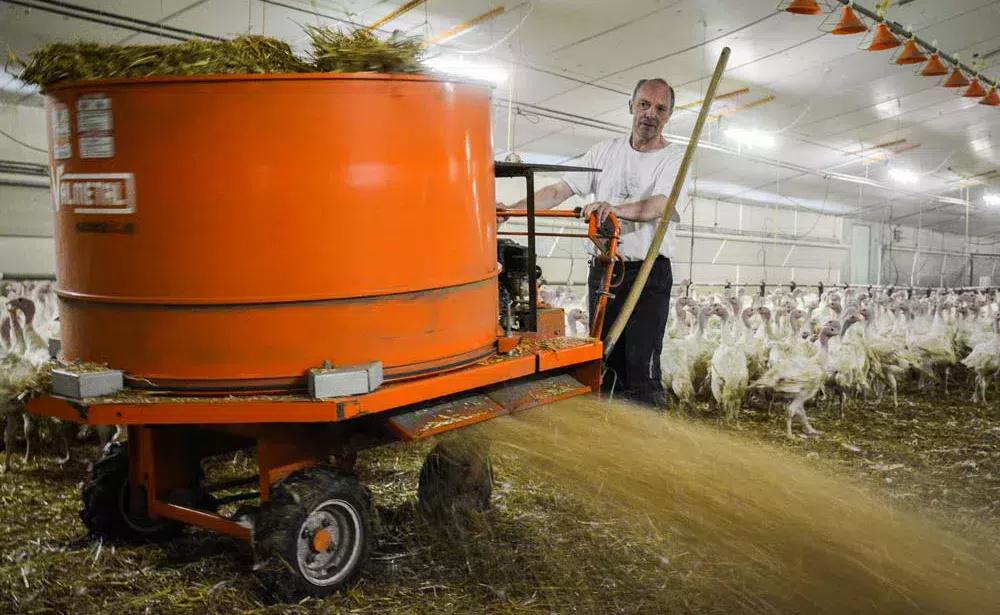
(103, 22)
(22, 143)
(125, 18)
(504, 38)
(938, 167)
(798, 119)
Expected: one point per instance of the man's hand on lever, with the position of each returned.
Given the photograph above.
(600, 208)
(500, 209)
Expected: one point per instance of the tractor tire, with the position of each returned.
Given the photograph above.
(457, 477)
(105, 496)
(314, 535)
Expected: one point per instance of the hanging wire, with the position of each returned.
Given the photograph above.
(938, 167)
(22, 143)
(695, 166)
(826, 75)
(503, 38)
(510, 111)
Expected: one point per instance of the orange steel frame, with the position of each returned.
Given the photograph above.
(170, 435)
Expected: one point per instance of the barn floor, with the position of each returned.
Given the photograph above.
(537, 551)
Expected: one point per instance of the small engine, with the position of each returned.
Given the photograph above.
(514, 291)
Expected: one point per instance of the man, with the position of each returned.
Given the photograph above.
(636, 177)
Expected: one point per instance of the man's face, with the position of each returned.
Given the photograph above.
(650, 110)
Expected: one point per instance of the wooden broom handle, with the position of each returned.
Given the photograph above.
(661, 230)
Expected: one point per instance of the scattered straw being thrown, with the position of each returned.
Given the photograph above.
(771, 534)
(251, 54)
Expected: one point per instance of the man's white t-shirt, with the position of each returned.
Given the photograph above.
(626, 176)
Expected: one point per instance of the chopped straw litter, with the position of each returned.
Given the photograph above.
(332, 51)
(597, 509)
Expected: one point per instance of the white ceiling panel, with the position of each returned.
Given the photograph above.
(581, 58)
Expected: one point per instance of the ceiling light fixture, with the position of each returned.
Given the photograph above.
(459, 67)
(750, 137)
(903, 176)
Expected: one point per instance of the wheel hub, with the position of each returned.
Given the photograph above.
(322, 540)
(329, 542)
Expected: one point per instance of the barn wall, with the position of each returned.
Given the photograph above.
(26, 245)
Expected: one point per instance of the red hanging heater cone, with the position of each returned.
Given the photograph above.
(976, 90)
(935, 67)
(884, 39)
(956, 79)
(804, 7)
(911, 54)
(992, 99)
(849, 23)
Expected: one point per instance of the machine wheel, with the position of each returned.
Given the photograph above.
(106, 508)
(314, 535)
(457, 476)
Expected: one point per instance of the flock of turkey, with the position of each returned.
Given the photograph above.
(845, 343)
(789, 346)
(792, 346)
(29, 316)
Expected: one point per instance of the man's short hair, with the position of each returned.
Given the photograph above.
(660, 81)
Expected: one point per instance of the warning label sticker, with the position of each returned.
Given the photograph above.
(94, 125)
(62, 142)
(93, 113)
(97, 193)
(102, 146)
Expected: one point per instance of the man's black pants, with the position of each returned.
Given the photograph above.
(633, 368)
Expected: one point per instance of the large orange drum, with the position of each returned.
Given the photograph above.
(232, 232)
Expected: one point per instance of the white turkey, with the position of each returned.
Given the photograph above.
(679, 357)
(25, 370)
(799, 380)
(984, 360)
(728, 371)
(847, 365)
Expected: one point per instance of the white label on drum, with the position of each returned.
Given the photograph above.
(97, 193)
(94, 125)
(93, 113)
(102, 146)
(62, 142)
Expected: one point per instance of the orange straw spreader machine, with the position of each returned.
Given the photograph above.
(303, 264)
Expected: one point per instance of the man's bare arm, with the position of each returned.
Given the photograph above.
(645, 210)
(548, 197)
